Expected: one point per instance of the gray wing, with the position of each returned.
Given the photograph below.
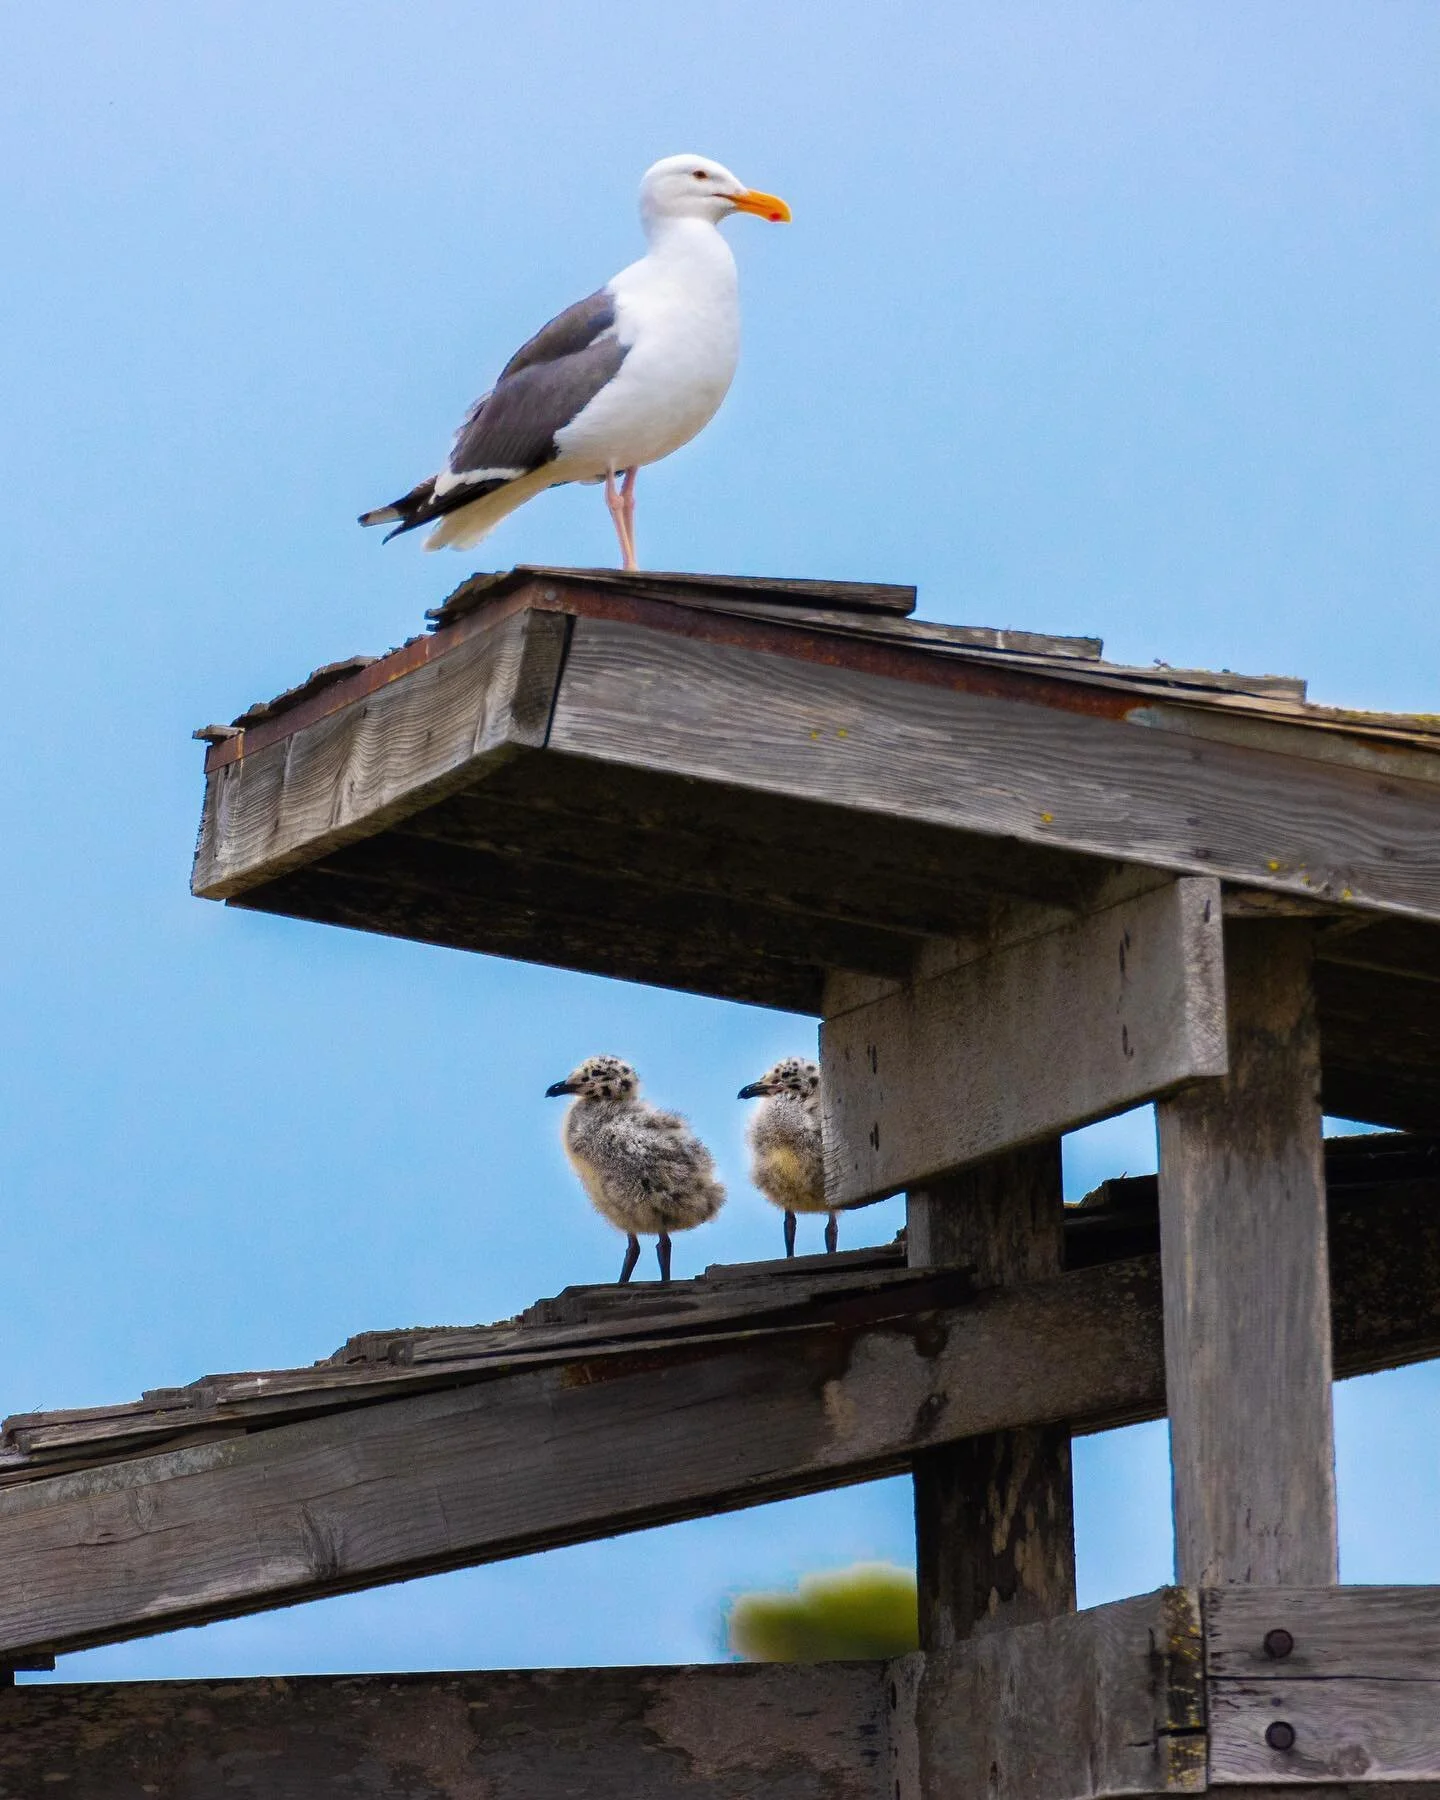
(543, 386)
(511, 430)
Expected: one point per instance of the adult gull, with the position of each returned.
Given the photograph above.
(616, 381)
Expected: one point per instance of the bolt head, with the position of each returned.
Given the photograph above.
(1280, 1735)
(1278, 1642)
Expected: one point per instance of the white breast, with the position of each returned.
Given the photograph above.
(678, 312)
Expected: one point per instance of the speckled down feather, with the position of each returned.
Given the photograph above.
(787, 1156)
(644, 1170)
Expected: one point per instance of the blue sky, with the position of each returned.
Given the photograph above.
(1102, 317)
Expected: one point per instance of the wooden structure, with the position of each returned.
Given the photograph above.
(1022, 889)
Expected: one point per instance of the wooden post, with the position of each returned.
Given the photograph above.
(994, 1523)
(1247, 1287)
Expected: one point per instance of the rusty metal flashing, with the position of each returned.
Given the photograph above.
(1069, 682)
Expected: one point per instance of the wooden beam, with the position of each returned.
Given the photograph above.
(1011, 756)
(1168, 1693)
(580, 1447)
(1247, 1285)
(449, 879)
(720, 1733)
(1031, 1041)
(1101, 1703)
(1324, 1685)
(355, 771)
(112, 1533)
(994, 1515)
(1379, 1040)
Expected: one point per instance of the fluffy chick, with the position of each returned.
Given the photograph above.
(787, 1156)
(644, 1170)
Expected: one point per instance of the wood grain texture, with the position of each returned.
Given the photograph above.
(1247, 1285)
(1364, 1633)
(582, 1447)
(455, 882)
(1380, 1044)
(1022, 1045)
(779, 886)
(722, 1733)
(1052, 774)
(994, 1515)
(1383, 1205)
(1356, 1730)
(1106, 1702)
(358, 770)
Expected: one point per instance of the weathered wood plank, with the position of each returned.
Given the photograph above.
(613, 899)
(1380, 1043)
(723, 1733)
(1383, 1207)
(504, 922)
(1369, 1633)
(994, 1515)
(1308, 1732)
(352, 773)
(1022, 1045)
(1107, 1702)
(1060, 766)
(1247, 1286)
(582, 1448)
(688, 586)
(566, 811)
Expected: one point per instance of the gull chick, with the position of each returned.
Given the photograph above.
(644, 1170)
(787, 1157)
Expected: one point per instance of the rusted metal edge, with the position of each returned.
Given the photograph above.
(1068, 685)
(986, 676)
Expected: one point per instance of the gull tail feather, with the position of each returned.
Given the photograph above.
(468, 524)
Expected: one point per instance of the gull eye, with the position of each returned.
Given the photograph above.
(700, 175)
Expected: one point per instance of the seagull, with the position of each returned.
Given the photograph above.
(644, 1170)
(787, 1157)
(614, 382)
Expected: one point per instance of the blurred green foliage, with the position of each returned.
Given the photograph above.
(844, 1615)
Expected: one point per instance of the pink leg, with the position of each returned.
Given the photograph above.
(627, 501)
(617, 502)
(615, 505)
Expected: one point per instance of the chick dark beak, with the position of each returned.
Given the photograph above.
(752, 1091)
(557, 1089)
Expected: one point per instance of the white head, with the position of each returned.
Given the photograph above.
(698, 187)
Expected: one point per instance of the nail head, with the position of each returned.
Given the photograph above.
(1280, 1735)
(1278, 1642)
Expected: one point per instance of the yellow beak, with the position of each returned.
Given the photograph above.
(764, 206)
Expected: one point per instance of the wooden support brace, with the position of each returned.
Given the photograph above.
(994, 1522)
(1022, 1044)
(1247, 1286)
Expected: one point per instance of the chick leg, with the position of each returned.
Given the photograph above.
(832, 1234)
(662, 1254)
(632, 1256)
(615, 502)
(789, 1232)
